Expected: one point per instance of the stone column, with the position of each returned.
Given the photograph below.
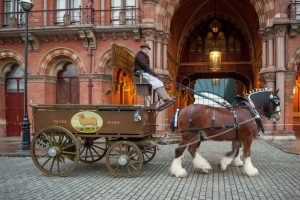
(158, 51)
(267, 72)
(264, 52)
(269, 82)
(149, 36)
(280, 32)
(165, 53)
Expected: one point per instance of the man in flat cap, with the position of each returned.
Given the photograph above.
(142, 66)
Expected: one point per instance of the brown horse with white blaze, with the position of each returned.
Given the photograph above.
(240, 123)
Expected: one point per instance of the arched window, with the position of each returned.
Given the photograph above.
(67, 91)
(14, 80)
(124, 11)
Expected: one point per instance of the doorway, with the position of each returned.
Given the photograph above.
(14, 99)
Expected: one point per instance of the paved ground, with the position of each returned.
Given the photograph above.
(279, 178)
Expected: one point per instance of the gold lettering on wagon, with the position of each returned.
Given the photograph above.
(113, 122)
(60, 121)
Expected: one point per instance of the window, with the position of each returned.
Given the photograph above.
(11, 15)
(68, 11)
(196, 46)
(234, 45)
(14, 80)
(124, 12)
(67, 85)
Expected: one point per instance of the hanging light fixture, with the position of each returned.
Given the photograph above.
(215, 56)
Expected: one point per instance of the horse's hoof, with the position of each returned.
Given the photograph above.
(252, 172)
(180, 174)
(205, 171)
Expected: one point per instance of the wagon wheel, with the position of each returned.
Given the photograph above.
(92, 149)
(55, 151)
(149, 152)
(124, 159)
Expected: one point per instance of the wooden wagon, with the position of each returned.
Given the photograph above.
(67, 134)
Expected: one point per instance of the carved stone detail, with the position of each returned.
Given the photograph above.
(280, 31)
(88, 37)
(102, 77)
(33, 42)
(83, 77)
(267, 77)
(42, 78)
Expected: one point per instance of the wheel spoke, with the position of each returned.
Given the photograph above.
(45, 135)
(52, 164)
(95, 151)
(91, 153)
(46, 161)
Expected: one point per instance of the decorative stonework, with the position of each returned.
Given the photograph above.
(89, 38)
(268, 77)
(280, 31)
(33, 42)
(102, 77)
(83, 77)
(46, 66)
(150, 1)
(41, 78)
(149, 34)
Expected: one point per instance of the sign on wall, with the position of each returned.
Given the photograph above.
(121, 58)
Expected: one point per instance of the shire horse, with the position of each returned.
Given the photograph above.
(238, 123)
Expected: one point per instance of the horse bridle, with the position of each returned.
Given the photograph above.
(276, 104)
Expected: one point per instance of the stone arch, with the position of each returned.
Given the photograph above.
(294, 60)
(103, 66)
(51, 61)
(167, 8)
(7, 57)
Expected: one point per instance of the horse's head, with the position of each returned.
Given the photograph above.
(267, 103)
(272, 111)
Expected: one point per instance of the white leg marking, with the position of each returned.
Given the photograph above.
(224, 162)
(237, 160)
(200, 163)
(176, 169)
(248, 167)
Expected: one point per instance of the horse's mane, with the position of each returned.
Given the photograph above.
(259, 97)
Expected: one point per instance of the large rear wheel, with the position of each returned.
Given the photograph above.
(55, 151)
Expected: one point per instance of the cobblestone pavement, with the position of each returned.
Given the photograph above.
(279, 178)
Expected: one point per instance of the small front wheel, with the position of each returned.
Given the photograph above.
(124, 159)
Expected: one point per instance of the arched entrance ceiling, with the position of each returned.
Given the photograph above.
(183, 17)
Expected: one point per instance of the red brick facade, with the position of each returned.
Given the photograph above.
(166, 25)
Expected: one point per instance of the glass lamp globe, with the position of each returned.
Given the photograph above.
(26, 5)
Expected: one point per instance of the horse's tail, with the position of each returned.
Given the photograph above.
(174, 121)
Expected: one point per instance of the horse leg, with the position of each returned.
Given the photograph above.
(176, 168)
(228, 158)
(249, 169)
(198, 161)
(237, 162)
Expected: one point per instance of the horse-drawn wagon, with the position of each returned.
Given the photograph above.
(67, 134)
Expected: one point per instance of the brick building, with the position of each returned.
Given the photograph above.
(70, 50)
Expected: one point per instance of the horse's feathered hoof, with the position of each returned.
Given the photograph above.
(252, 172)
(180, 174)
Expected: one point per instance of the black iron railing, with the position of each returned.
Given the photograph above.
(63, 17)
(294, 11)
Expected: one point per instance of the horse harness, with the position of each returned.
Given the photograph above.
(235, 125)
